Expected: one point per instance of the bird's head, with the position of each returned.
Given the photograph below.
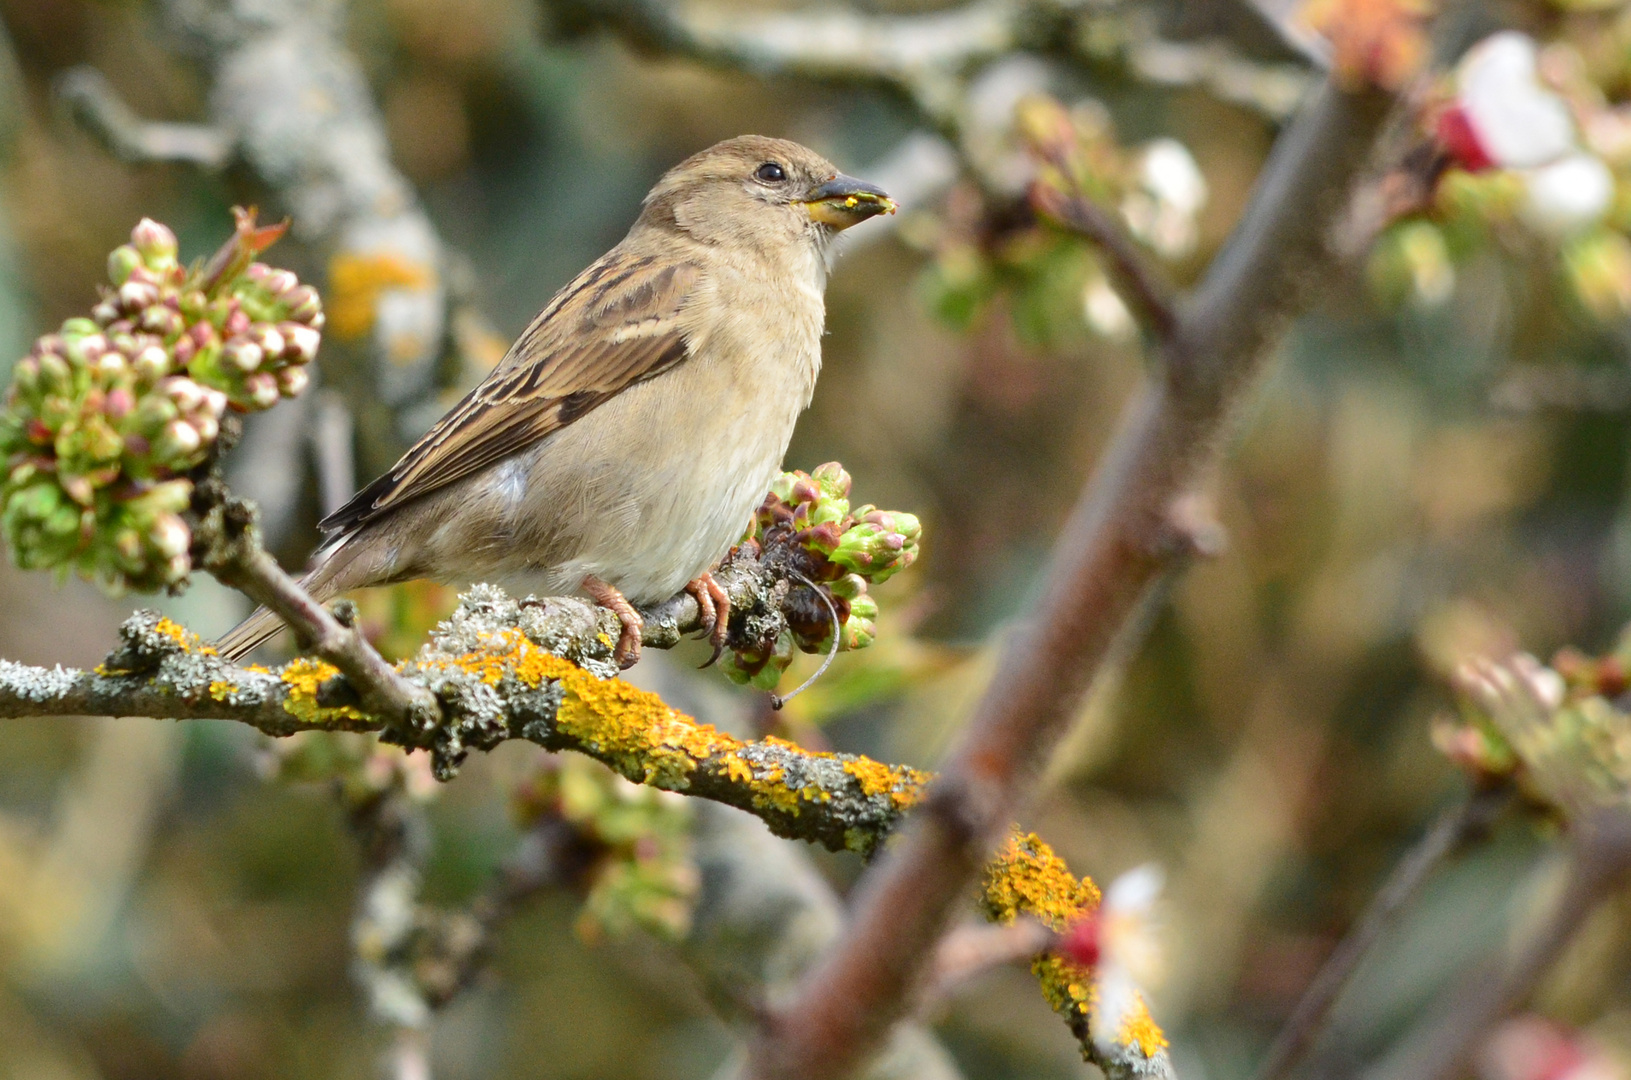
(763, 192)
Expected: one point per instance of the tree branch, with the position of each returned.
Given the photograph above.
(1599, 858)
(1119, 541)
(1138, 280)
(1466, 820)
(499, 670)
(238, 560)
(99, 109)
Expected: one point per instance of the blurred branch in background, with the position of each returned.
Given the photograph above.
(1468, 820)
(1597, 860)
(289, 101)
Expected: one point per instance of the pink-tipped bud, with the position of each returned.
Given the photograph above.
(186, 394)
(279, 282)
(261, 390)
(243, 355)
(152, 363)
(203, 335)
(156, 242)
(303, 304)
(237, 322)
(136, 295)
(170, 536)
(104, 313)
(179, 439)
(119, 403)
(215, 402)
(300, 342)
(88, 348)
(257, 271)
(161, 320)
(292, 381)
(184, 348)
(208, 426)
(267, 337)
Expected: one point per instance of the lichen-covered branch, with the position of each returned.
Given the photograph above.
(1027, 879)
(500, 670)
(929, 56)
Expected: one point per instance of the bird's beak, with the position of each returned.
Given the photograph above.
(844, 201)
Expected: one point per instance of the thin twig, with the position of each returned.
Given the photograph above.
(1117, 543)
(974, 948)
(1140, 282)
(244, 565)
(1599, 858)
(1467, 820)
(99, 109)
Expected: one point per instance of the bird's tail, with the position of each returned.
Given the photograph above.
(334, 571)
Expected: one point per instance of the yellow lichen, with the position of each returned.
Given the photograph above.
(737, 770)
(303, 675)
(186, 640)
(632, 729)
(1139, 1027)
(903, 784)
(1027, 878)
(356, 281)
(220, 690)
(636, 733)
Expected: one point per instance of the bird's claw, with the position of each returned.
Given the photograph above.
(627, 650)
(714, 607)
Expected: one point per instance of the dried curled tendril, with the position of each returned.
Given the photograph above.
(107, 419)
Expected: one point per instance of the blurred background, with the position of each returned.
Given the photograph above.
(1436, 464)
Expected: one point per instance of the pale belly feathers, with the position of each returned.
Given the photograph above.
(653, 487)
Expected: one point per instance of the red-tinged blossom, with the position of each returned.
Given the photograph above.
(1080, 943)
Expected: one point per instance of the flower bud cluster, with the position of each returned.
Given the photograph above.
(635, 865)
(807, 521)
(1559, 731)
(105, 418)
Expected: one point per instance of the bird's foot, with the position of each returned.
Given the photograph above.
(627, 652)
(714, 605)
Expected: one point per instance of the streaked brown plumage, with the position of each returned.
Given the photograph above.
(621, 445)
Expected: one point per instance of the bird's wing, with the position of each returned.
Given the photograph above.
(616, 324)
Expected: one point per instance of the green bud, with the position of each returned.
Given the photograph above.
(151, 414)
(860, 629)
(155, 242)
(55, 375)
(121, 261)
(833, 481)
(849, 587)
(873, 552)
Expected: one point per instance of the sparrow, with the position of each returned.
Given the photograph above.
(624, 441)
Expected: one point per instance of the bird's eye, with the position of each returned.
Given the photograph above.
(770, 173)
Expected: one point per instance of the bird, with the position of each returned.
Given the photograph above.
(624, 441)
